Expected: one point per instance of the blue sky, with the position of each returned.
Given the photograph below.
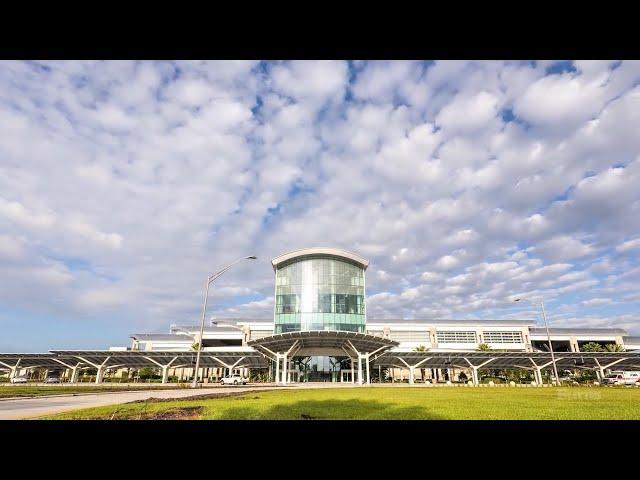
(466, 184)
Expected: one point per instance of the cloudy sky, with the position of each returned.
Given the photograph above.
(124, 184)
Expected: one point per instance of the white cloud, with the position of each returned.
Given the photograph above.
(629, 245)
(594, 302)
(11, 248)
(87, 231)
(447, 262)
(469, 113)
(563, 247)
(103, 298)
(17, 212)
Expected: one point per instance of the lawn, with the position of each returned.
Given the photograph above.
(389, 403)
(10, 391)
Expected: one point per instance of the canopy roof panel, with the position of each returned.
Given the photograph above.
(322, 339)
(239, 357)
(31, 360)
(488, 359)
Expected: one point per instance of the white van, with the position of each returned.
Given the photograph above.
(621, 378)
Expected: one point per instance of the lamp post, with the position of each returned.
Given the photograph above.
(546, 326)
(210, 280)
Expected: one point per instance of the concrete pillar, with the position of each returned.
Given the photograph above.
(165, 374)
(284, 369)
(573, 343)
(411, 375)
(359, 369)
(474, 376)
(538, 375)
(277, 368)
(99, 375)
(74, 375)
(353, 377)
(366, 359)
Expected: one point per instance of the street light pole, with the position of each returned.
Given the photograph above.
(210, 280)
(553, 358)
(546, 326)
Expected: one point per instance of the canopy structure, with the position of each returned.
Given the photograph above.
(535, 361)
(565, 360)
(282, 347)
(103, 360)
(322, 342)
(13, 361)
(366, 350)
(239, 357)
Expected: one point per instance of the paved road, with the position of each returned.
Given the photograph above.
(22, 408)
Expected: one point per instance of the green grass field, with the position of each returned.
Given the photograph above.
(10, 391)
(381, 403)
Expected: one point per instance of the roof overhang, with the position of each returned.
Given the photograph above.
(523, 360)
(322, 342)
(320, 251)
(215, 357)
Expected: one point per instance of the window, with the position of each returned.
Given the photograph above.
(502, 337)
(456, 337)
(324, 303)
(409, 336)
(287, 304)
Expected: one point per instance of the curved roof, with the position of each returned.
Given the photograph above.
(363, 342)
(332, 252)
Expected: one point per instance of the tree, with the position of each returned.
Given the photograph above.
(195, 346)
(422, 348)
(614, 347)
(483, 347)
(592, 347)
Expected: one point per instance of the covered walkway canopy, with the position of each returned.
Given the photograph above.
(323, 339)
(14, 361)
(103, 360)
(282, 347)
(535, 361)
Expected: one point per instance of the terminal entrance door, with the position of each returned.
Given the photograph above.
(320, 369)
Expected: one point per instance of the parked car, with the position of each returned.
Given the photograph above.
(234, 379)
(52, 380)
(19, 380)
(621, 378)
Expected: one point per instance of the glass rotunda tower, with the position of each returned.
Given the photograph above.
(319, 289)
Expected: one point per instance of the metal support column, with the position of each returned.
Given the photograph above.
(284, 369)
(474, 376)
(353, 377)
(366, 359)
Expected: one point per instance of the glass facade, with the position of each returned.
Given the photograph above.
(319, 293)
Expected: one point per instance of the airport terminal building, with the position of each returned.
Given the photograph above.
(320, 332)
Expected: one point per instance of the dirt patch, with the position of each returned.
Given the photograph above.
(196, 397)
(178, 413)
(304, 416)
